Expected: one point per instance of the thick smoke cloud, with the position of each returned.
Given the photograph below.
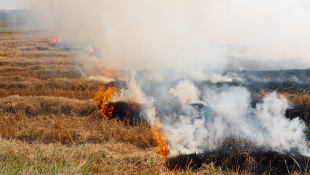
(190, 36)
(197, 40)
(228, 113)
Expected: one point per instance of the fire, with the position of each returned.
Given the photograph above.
(106, 92)
(53, 40)
(133, 105)
(103, 96)
(160, 137)
(107, 71)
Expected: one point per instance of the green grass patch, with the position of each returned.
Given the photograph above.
(4, 25)
(11, 27)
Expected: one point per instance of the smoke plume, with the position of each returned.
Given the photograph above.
(186, 41)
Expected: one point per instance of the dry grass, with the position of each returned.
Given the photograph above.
(113, 157)
(17, 157)
(296, 98)
(73, 130)
(302, 98)
(81, 95)
(43, 74)
(4, 61)
(58, 87)
(50, 124)
(17, 82)
(43, 105)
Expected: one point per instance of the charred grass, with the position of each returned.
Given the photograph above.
(241, 156)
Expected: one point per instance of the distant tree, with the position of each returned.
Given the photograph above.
(3, 15)
(15, 15)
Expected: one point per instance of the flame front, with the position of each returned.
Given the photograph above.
(53, 40)
(106, 92)
(103, 96)
(133, 105)
(108, 71)
(160, 137)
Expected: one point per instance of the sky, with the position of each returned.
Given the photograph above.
(9, 4)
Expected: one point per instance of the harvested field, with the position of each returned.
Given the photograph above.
(51, 123)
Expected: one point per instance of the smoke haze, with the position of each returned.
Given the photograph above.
(184, 34)
(186, 40)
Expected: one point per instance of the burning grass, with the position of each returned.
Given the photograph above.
(51, 123)
(103, 96)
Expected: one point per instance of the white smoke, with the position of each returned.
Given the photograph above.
(185, 35)
(186, 92)
(229, 113)
(230, 77)
(189, 39)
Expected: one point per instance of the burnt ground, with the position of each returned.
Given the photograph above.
(231, 156)
(244, 157)
(294, 75)
(124, 112)
(256, 162)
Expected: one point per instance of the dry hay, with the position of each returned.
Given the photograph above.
(49, 115)
(43, 105)
(4, 61)
(30, 83)
(105, 158)
(73, 130)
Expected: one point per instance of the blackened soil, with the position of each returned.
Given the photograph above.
(124, 112)
(255, 162)
(301, 75)
(290, 87)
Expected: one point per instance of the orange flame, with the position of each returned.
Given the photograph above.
(160, 137)
(53, 40)
(133, 105)
(105, 93)
(103, 96)
(106, 71)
